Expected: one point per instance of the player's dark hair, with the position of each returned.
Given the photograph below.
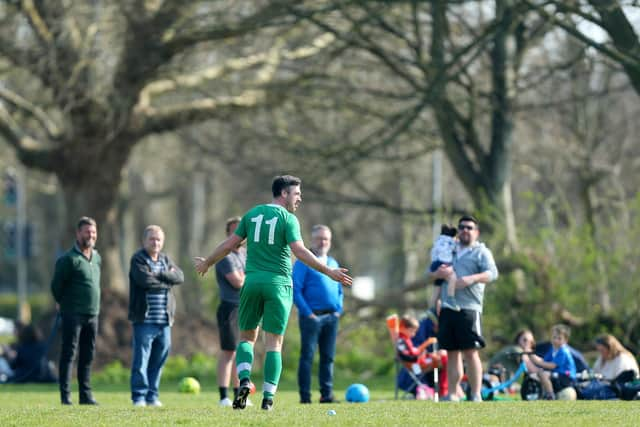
(283, 182)
(448, 230)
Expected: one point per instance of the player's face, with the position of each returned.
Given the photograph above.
(153, 242)
(467, 232)
(321, 242)
(293, 198)
(87, 236)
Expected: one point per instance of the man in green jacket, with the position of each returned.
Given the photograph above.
(76, 289)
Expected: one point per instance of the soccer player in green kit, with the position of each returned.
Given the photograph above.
(272, 232)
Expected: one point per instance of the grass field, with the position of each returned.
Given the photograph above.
(38, 405)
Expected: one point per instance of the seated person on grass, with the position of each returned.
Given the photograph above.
(615, 367)
(559, 368)
(507, 361)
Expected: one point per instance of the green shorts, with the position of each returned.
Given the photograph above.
(268, 303)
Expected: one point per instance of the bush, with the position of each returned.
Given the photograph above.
(40, 303)
(176, 368)
(113, 373)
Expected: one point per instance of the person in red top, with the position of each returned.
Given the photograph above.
(410, 355)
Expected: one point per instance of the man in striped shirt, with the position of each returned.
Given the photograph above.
(152, 307)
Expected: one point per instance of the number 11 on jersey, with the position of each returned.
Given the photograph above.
(272, 228)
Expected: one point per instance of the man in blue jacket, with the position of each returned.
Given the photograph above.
(319, 302)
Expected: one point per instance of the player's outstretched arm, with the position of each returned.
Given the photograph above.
(222, 250)
(306, 256)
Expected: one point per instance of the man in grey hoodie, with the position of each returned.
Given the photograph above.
(460, 331)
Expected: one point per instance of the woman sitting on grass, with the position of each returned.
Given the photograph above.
(614, 359)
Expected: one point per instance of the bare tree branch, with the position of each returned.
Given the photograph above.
(147, 120)
(363, 42)
(616, 55)
(30, 151)
(37, 113)
(174, 43)
(40, 27)
(269, 60)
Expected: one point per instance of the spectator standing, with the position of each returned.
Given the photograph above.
(319, 302)
(230, 276)
(76, 289)
(152, 305)
(461, 331)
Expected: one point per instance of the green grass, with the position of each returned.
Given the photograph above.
(26, 405)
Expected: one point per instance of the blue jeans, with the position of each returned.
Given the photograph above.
(321, 332)
(151, 344)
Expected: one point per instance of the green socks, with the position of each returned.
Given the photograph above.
(244, 359)
(272, 370)
(272, 367)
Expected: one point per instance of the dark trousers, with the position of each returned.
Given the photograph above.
(78, 331)
(320, 332)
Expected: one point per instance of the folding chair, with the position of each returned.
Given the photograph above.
(413, 369)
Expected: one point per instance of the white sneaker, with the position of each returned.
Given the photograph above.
(225, 402)
(155, 403)
(249, 403)
(140, 404)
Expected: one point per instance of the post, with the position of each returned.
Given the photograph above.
(436, 372)
(436, 191)
(436, 201)
(436, 198)
(23, 311)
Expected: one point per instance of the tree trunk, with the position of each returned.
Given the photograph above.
(590, 203)
(190, 294)
(484, 173)
(95, 196)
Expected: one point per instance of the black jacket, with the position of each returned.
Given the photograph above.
(142, 280)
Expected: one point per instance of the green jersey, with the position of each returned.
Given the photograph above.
(269, 229)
